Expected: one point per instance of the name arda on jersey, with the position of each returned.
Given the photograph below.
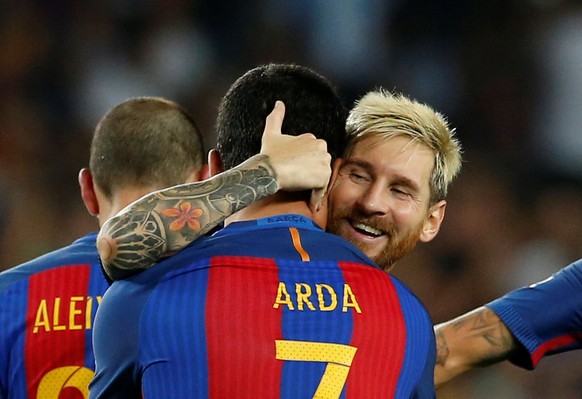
(315, 297)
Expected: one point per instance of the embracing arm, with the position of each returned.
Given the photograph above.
(167, 220)
(476, 339)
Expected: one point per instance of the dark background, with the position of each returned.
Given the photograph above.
(508, 75)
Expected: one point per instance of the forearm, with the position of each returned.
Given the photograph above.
(476, 339)
(166, 221)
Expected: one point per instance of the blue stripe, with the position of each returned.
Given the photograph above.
(309, 325)
(96, 287)
(176, 334)
(416, 343)
(12, 323)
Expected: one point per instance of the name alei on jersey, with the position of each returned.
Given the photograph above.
(60, 314)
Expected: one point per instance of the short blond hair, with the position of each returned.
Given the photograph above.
(384, 115)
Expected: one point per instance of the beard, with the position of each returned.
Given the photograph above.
(398, 245)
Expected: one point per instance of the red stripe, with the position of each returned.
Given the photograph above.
(376, 368)
(54, 344)
(552, 344)
(241, 328)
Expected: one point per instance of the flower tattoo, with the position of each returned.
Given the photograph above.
(184, 214)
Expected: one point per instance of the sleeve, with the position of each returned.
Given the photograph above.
(116, 345)
(558, 328)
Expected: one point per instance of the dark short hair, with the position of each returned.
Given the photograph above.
(312, 105)
(145, 142)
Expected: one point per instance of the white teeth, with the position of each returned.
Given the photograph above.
(368, 229)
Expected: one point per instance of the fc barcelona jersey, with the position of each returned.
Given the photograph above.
(47, 308)
(274, 308)
(557, 328)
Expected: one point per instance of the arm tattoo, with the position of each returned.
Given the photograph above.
(166, 221)
(480, 333)
(441, 348)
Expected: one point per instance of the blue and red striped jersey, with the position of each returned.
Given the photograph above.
(273, 308)
(556, 329)
(47, 306)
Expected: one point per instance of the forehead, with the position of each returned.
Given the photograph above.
(395, 156)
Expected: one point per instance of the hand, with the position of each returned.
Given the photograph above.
(300, 162)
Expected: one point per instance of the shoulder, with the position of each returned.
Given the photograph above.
(82, 252)
(412, 307)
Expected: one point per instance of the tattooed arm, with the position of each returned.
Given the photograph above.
(476, 339)
(167, 220)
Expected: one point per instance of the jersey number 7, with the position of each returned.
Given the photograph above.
(338, 357)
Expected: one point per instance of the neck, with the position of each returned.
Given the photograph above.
(119, 200)
(276, 204)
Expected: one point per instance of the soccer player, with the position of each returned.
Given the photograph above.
(390, 192)
(47, 305)
(523, 326)
(271, 305)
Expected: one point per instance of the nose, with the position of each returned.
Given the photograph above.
(373, 201)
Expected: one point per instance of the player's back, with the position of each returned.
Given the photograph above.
(274, 308)
(47, 306)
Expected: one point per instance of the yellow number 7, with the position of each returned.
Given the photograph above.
(337, 356)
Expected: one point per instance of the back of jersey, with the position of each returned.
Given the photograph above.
(274, 308)
(47, 308)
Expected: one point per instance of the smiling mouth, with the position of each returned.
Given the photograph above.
(367, 230)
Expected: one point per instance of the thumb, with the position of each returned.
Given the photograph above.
(274, 121)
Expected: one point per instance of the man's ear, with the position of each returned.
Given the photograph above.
(204, 172)
(335, 167)
(214, 163)
(88, 192)
(433, 222)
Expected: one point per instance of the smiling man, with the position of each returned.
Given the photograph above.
(389, 192)
(391, 185)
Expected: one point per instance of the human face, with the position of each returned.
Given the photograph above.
(380, 198)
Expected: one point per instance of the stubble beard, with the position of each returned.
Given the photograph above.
(397, 246)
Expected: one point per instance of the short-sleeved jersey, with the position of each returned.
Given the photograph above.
(47, 306)
(273, 308)
(545, 318)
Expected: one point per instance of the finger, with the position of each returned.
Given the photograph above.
(274, 120)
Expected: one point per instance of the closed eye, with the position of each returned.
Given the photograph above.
(356, 177)
(400, 192)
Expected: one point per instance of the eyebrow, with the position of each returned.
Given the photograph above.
(403, 180)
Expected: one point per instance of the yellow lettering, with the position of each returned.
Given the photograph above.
(350, 300)
(303, 293)
(88, 313)
(319, 288)
(73, 312)
(56, 314)
(283, 297)
(41, 319)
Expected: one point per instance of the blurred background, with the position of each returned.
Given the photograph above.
(508, 75)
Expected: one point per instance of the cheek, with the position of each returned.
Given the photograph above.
(342, 195)
(403, 212)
